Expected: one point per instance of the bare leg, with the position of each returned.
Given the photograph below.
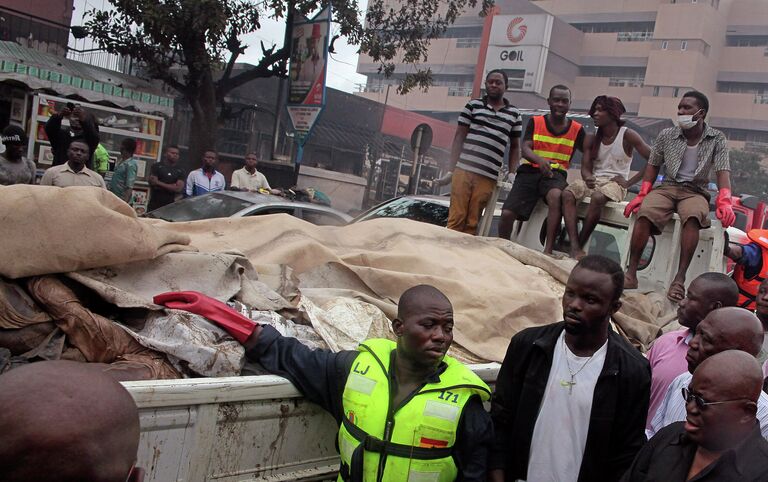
(506, 223)
(640, 237)
(553, 218)
(688, 242)
(596, 205)
(571, 223)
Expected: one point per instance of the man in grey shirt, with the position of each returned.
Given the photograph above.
(14, 167)
(688, 152)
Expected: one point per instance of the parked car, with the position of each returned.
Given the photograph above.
(237, 204)
(427, 209)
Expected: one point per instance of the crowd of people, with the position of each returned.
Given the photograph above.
(79, 159)
(574, 400)
(489, 130)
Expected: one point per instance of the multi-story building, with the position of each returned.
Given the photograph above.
(647, 52)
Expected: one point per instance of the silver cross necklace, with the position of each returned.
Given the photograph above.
(572, 382)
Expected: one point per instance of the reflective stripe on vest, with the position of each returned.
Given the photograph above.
(415, 442)
(748, 288)
(558, 150)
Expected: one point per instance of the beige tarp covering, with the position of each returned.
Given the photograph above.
(497, 287)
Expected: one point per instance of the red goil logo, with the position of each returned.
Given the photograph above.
(515, 31)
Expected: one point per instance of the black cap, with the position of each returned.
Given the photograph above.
(13, 135)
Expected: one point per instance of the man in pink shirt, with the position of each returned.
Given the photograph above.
(667, 354)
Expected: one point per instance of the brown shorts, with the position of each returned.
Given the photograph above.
(604, 185)
(664, 201)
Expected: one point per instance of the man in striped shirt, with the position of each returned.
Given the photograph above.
(487, 128)
(730, 328)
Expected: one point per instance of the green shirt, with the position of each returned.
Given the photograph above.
(124, 177)
(101, 160)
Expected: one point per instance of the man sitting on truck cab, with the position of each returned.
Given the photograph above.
(548, 146)
(406, 410)
(605, 172)
(688, 152)
(64, 421)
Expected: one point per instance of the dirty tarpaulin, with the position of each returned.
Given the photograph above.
(497, 288)
(53, 230)
(99, 340)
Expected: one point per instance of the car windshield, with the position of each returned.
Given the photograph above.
(201, 207)
(416, 209)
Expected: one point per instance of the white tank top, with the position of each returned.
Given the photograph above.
(611, 159)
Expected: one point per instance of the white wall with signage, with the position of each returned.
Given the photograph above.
(519, 44)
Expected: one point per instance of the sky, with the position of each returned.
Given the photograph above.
(342, 65)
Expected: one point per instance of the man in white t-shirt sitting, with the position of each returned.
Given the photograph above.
(605, 172)
(571, 397)
(248, 178)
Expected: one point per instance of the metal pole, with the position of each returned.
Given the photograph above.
(376, 154)
(283, 83)
(412, 184)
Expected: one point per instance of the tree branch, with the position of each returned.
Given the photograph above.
(265, 68)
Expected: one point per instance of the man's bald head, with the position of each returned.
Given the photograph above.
(730, 328)
(413, 298)
(706, 292)
(735, 378)
(66, 421)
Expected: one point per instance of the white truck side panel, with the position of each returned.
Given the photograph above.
(237, 429)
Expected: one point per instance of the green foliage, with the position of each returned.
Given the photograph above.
(747, 174)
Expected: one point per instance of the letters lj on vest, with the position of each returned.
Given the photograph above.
(558, 150)
(379, 442)
(748, 287)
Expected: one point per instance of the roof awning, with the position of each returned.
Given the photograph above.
(40, 70)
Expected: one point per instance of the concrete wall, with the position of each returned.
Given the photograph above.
(346, 191)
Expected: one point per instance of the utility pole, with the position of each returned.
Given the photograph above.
(377, 154)
(283, 83)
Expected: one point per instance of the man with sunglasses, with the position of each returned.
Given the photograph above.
(66, 421)
(730, 328)
(720, 439)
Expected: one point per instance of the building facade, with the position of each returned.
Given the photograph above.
(646, 52)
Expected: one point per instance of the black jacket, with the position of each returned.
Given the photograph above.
(619, 408)
(60, 137)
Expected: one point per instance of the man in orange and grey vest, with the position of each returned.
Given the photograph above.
(548, 146)
(751, 266)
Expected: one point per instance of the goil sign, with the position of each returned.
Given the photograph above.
(516, 30)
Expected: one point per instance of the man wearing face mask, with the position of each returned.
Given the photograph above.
(688, 152)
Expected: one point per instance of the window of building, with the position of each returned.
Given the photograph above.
(664, 45)
(467, 43)
(716, 4)
(746, 40)
(694, 1)
(684, 45)
(616, 27)
(675, 91)
(656, 91)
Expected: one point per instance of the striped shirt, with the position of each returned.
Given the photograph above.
(489, 135)
(672, 408)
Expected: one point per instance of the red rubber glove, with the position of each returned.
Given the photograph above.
(724, 207)
(634, 205)
(214, 310)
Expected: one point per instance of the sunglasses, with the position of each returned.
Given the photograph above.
(691, 396)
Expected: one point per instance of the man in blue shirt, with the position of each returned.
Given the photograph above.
(207, 178)
(751, 266)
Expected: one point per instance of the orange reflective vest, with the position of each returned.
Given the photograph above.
(748, 288)
(558, 150)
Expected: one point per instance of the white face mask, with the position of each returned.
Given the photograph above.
(686, 121)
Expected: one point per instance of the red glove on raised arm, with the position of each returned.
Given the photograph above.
(214, 310)
(724, 207)
(634, 205)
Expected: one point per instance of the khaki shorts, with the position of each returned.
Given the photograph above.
(664, 201)
(604, 185)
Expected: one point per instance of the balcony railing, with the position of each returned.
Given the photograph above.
(459, 91)
(467, 43)
(761, 98)
(634, 36)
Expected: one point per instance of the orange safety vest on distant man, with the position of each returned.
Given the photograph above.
(748, 288)
(558, 150)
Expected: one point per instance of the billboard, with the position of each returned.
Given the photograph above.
(519, 44)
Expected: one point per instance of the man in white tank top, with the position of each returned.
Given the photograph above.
(605, 174)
